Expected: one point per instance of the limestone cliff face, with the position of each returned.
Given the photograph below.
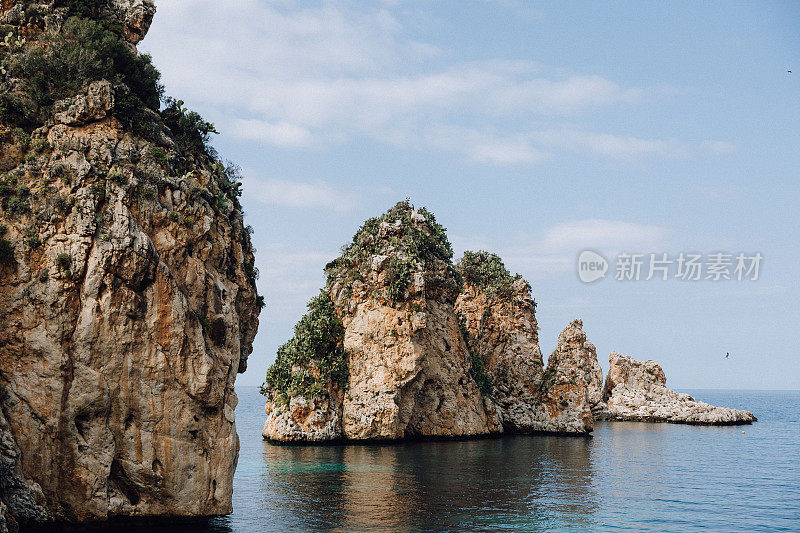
(506, 337)
(571, 386)
(128, 302)
(408, 367)
(528, 397)
(427, 349)
(636, 390)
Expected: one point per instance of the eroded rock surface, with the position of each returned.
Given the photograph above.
(636, 390)
(407, 365)
(422, 354)
(505, 335)
(128, 306)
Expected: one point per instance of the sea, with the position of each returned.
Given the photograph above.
(629, 476)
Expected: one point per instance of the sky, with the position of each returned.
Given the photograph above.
(534, 131)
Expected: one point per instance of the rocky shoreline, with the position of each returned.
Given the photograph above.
(636, 391)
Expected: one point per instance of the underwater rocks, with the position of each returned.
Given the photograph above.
(636, 390)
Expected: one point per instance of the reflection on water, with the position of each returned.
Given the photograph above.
(520, 482)
(630, 476)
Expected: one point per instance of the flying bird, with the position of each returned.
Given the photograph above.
(727, 354)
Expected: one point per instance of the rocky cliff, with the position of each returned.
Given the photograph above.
(500, 322)
(636, 390)
(126, 277)
(397, 366)
(402, 343)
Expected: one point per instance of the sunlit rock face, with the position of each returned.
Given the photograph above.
(128, 307)
(427, 349)
(636, 390)
(528, 397)
(406, 365)
(505, 334)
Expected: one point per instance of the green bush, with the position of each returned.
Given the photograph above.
(6, 251)
(487, 271)
(32, 239)
(98, 190)
(61, 63)
(159, 155)
(422, 243)
(40, 146)
(63, 261)
(189, 130)
(83, 8)
(318, 342)
(398, 276)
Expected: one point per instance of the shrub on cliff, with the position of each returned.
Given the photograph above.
(412, 237)
(313, 358)
(6, 249)
(487, 272)
(61, 63)
(189, 130)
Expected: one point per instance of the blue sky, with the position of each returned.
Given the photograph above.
(533, 131)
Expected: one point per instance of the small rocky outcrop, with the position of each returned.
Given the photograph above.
(572, 382)
(126, 279)
(636, 390)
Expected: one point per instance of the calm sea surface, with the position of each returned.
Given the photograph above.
(630, 476)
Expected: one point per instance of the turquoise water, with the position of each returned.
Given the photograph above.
(629, 477)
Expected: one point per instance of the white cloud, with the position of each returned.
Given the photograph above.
(607, 235)
(482, 146)
(718, 147)
(295, 76)
(613, 146)
(555, 252)
(301, 195)
(278, 134)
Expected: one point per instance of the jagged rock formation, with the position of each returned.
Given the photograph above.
(401, 343)
(504, 333)
(500, 319)
(406, 370)
(636, 390)
(416, 356)
(126, 278)
(571, 381)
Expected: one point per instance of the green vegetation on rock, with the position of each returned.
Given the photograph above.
(411, 237)
(487, 272)
(313, 358)
(6, 248)
(477, 369)
(62, 62)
